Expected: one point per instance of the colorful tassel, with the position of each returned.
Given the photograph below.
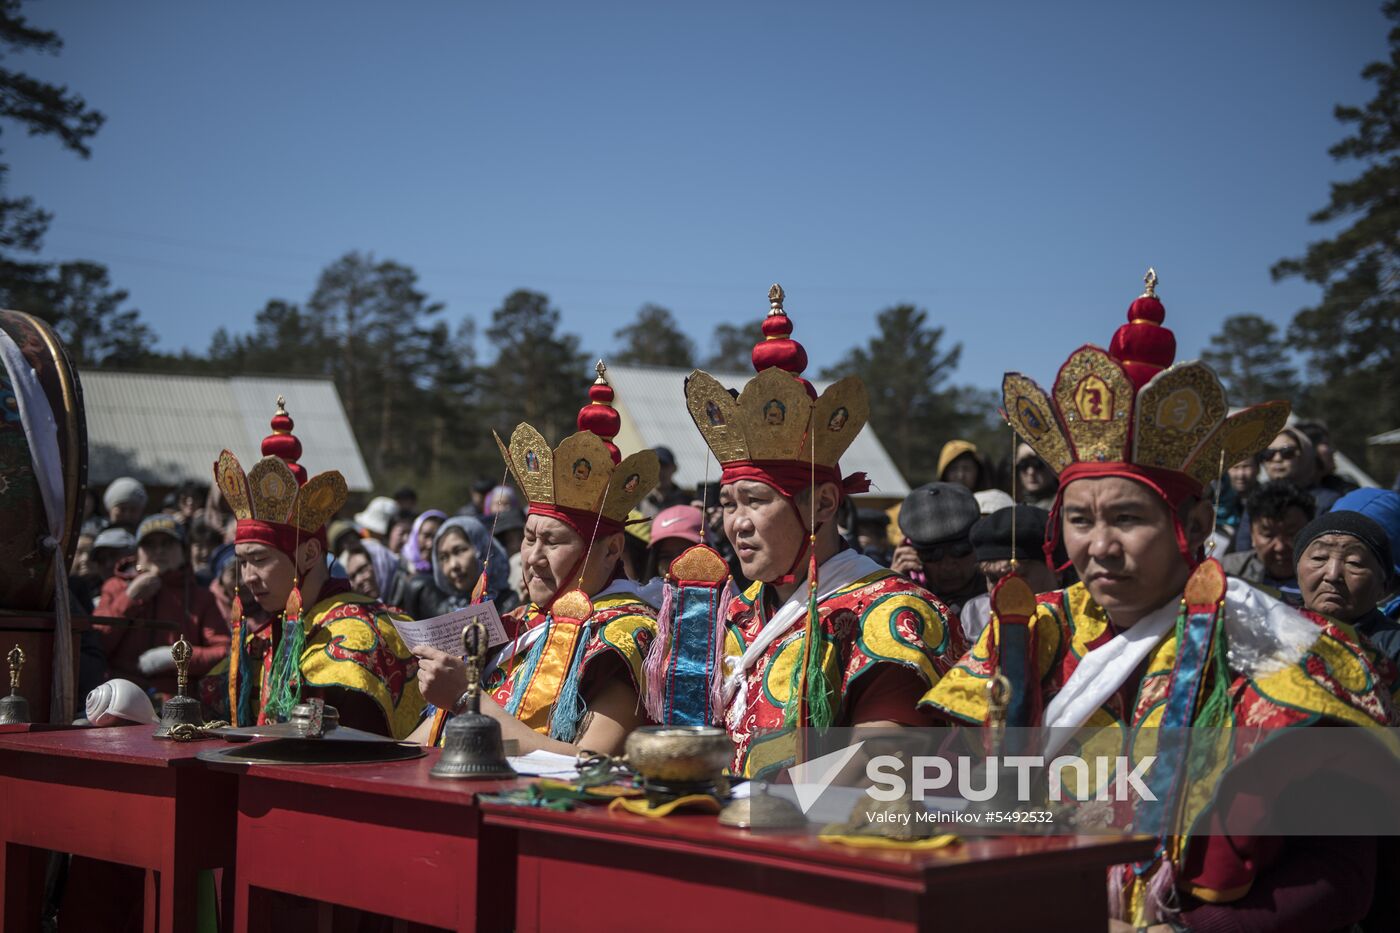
(521, 683)
(660, 656)
(568, 706)
(810, 699)
(286, 665)
(236, 657)
(726, 594)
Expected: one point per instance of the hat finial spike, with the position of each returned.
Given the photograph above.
(1150, 281)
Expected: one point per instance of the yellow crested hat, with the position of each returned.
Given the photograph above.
(274, 502)
(779, 430)
(585, 481)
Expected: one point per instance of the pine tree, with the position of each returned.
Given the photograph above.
(539, 376)
(654, 339)
(42, 109)
(78, 300)
(733, 345)
(904, 369)
(1251, 360)
(1352, 336)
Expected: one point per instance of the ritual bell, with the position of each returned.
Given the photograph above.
(14, 709)
(472, 748)
(180, 709)
(762, 811)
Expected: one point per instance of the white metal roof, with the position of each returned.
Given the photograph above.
(164, 429)
(651, 401)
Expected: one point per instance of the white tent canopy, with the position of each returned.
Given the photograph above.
(164, 429)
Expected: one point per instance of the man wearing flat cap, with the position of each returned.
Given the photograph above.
(1006, 540)
(1345, 566)
(937, 519)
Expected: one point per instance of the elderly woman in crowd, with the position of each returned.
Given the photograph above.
(461, 547)
(418, 550)
(1345, 567)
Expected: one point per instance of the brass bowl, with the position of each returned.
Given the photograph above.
(679, 754)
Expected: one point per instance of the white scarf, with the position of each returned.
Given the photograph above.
(1262, 635)
(1102, 671)
(840, 571)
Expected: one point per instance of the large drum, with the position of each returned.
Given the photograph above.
(26, 567)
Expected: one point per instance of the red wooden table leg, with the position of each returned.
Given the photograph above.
(151, 916)
(251, 908)
(21, 886)
(178, 898)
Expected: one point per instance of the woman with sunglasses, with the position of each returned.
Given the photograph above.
(1035, 481)
(1290, 457)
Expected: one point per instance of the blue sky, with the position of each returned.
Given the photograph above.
(1011, 167)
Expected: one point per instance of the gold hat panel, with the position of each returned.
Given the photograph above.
(1032, 417)
(582, 466)
(841, 411)
(228, 473)
(1095, 397)
(632, 479)
(531, 460)
(1176, 411)
(321, 497)
(716, 416)
(1243, 435)
(273, 488)
(774, 410)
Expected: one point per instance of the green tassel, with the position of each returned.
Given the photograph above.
(286, 671)
(819, 695)
(1216, 710)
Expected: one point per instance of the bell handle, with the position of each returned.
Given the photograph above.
(180, 651)
(16, 659)
(474, 652)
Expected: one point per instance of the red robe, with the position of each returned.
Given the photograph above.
(885, 641)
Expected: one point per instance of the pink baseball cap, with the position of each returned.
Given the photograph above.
(679, 521)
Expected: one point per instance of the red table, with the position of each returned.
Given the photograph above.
(119, 795)
(591, 869)
(384, 838)
(26, 727)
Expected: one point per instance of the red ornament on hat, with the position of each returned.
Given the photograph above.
(599, 416)
(777, 347)
(283, 443)
(1143, 346)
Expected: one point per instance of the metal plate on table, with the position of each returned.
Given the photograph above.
(292, 730)
(298, 751)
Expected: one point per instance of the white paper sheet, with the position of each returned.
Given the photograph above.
(445, 632)
(546, 764)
